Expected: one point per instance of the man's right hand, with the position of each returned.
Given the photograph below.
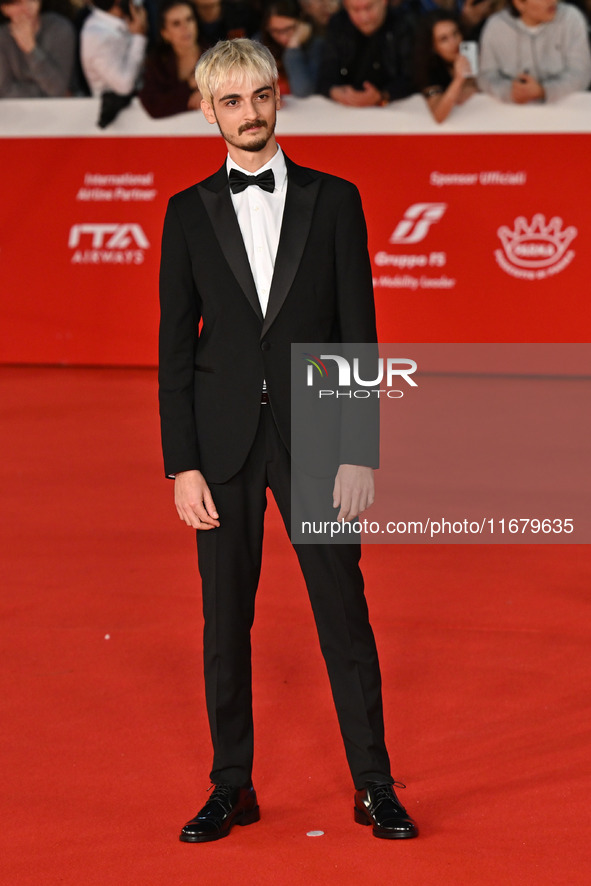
(525, 89)
(138, 20)
(193, 501)
(302, 33)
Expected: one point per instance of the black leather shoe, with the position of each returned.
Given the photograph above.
(227, 806)
(378, 805)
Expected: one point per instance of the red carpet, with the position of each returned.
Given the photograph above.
(105, 750)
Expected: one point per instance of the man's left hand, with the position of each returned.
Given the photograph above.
(353, 490)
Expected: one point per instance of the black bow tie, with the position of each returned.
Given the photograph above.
(239, 181)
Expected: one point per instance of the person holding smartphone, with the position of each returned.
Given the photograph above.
(443, 74)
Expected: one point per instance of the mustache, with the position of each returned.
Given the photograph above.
(253, 125)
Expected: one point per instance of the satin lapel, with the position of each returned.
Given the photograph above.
(302, 190)
(215, 194)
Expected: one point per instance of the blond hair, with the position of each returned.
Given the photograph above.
(234, 60)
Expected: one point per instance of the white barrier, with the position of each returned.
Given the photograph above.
(76, 117)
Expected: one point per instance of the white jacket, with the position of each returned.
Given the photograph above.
(111, 56)
(556, 54)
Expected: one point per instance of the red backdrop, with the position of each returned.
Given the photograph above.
(472, 237)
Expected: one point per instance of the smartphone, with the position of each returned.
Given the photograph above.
(469, 49)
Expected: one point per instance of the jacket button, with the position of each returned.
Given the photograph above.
(265, 346)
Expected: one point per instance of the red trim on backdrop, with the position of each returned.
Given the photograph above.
(80, 273)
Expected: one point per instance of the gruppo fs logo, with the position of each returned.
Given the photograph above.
(108, 243)
(537, 250)
(415, 224)
(387, 370)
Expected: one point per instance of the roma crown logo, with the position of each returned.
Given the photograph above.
(533, 251)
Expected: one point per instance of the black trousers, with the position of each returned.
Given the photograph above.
(230, 563)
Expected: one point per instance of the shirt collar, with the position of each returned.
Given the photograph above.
(276, 163)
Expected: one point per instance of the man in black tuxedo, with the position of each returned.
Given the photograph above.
(262, 261)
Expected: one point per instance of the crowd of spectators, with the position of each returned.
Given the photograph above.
(358, 53)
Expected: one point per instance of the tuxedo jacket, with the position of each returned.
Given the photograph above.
(216, 348)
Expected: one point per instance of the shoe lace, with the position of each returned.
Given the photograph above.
(386, 792)
(222, 794)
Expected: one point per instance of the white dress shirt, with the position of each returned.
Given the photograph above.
(111, 56)
(259, 215)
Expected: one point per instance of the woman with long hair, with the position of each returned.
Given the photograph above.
(169, 76)
(442, 74)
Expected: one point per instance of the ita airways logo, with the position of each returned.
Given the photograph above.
(415, 224)
(115, 244)
(533, 251)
